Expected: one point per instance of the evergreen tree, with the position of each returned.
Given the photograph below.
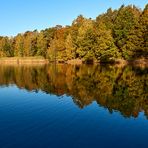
(86, 41)
(18, 45)
(42, 45)
(124, 23)
(70, 50)
(134, 41)
(106, 49)
(144, 25)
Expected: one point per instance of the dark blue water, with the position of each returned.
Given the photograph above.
(31, 116)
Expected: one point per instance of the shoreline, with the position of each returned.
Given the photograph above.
(23, 61)
(142, 62)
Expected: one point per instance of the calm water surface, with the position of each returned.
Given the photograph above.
(73, 107)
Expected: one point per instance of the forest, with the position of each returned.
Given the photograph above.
(115, 34)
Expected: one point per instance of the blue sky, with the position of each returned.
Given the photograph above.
(22, 15)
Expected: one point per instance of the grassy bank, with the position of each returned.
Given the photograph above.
(23, 60)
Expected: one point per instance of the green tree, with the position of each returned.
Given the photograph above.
(18, 45)
(123, 24)
(86, 41)
(144, 25)
(70, 50)
(108, 18)
(106, 49)
(134, 42)
(5, 47)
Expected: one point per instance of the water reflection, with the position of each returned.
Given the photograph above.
(123, 89)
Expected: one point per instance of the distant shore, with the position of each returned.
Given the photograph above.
(143, 62)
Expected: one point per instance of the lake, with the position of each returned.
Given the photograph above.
(67, 106)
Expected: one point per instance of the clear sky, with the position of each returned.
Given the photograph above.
(21, 15)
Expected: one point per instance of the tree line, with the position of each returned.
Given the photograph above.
(116, 34)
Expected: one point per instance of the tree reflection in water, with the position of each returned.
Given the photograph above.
(123, 89)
